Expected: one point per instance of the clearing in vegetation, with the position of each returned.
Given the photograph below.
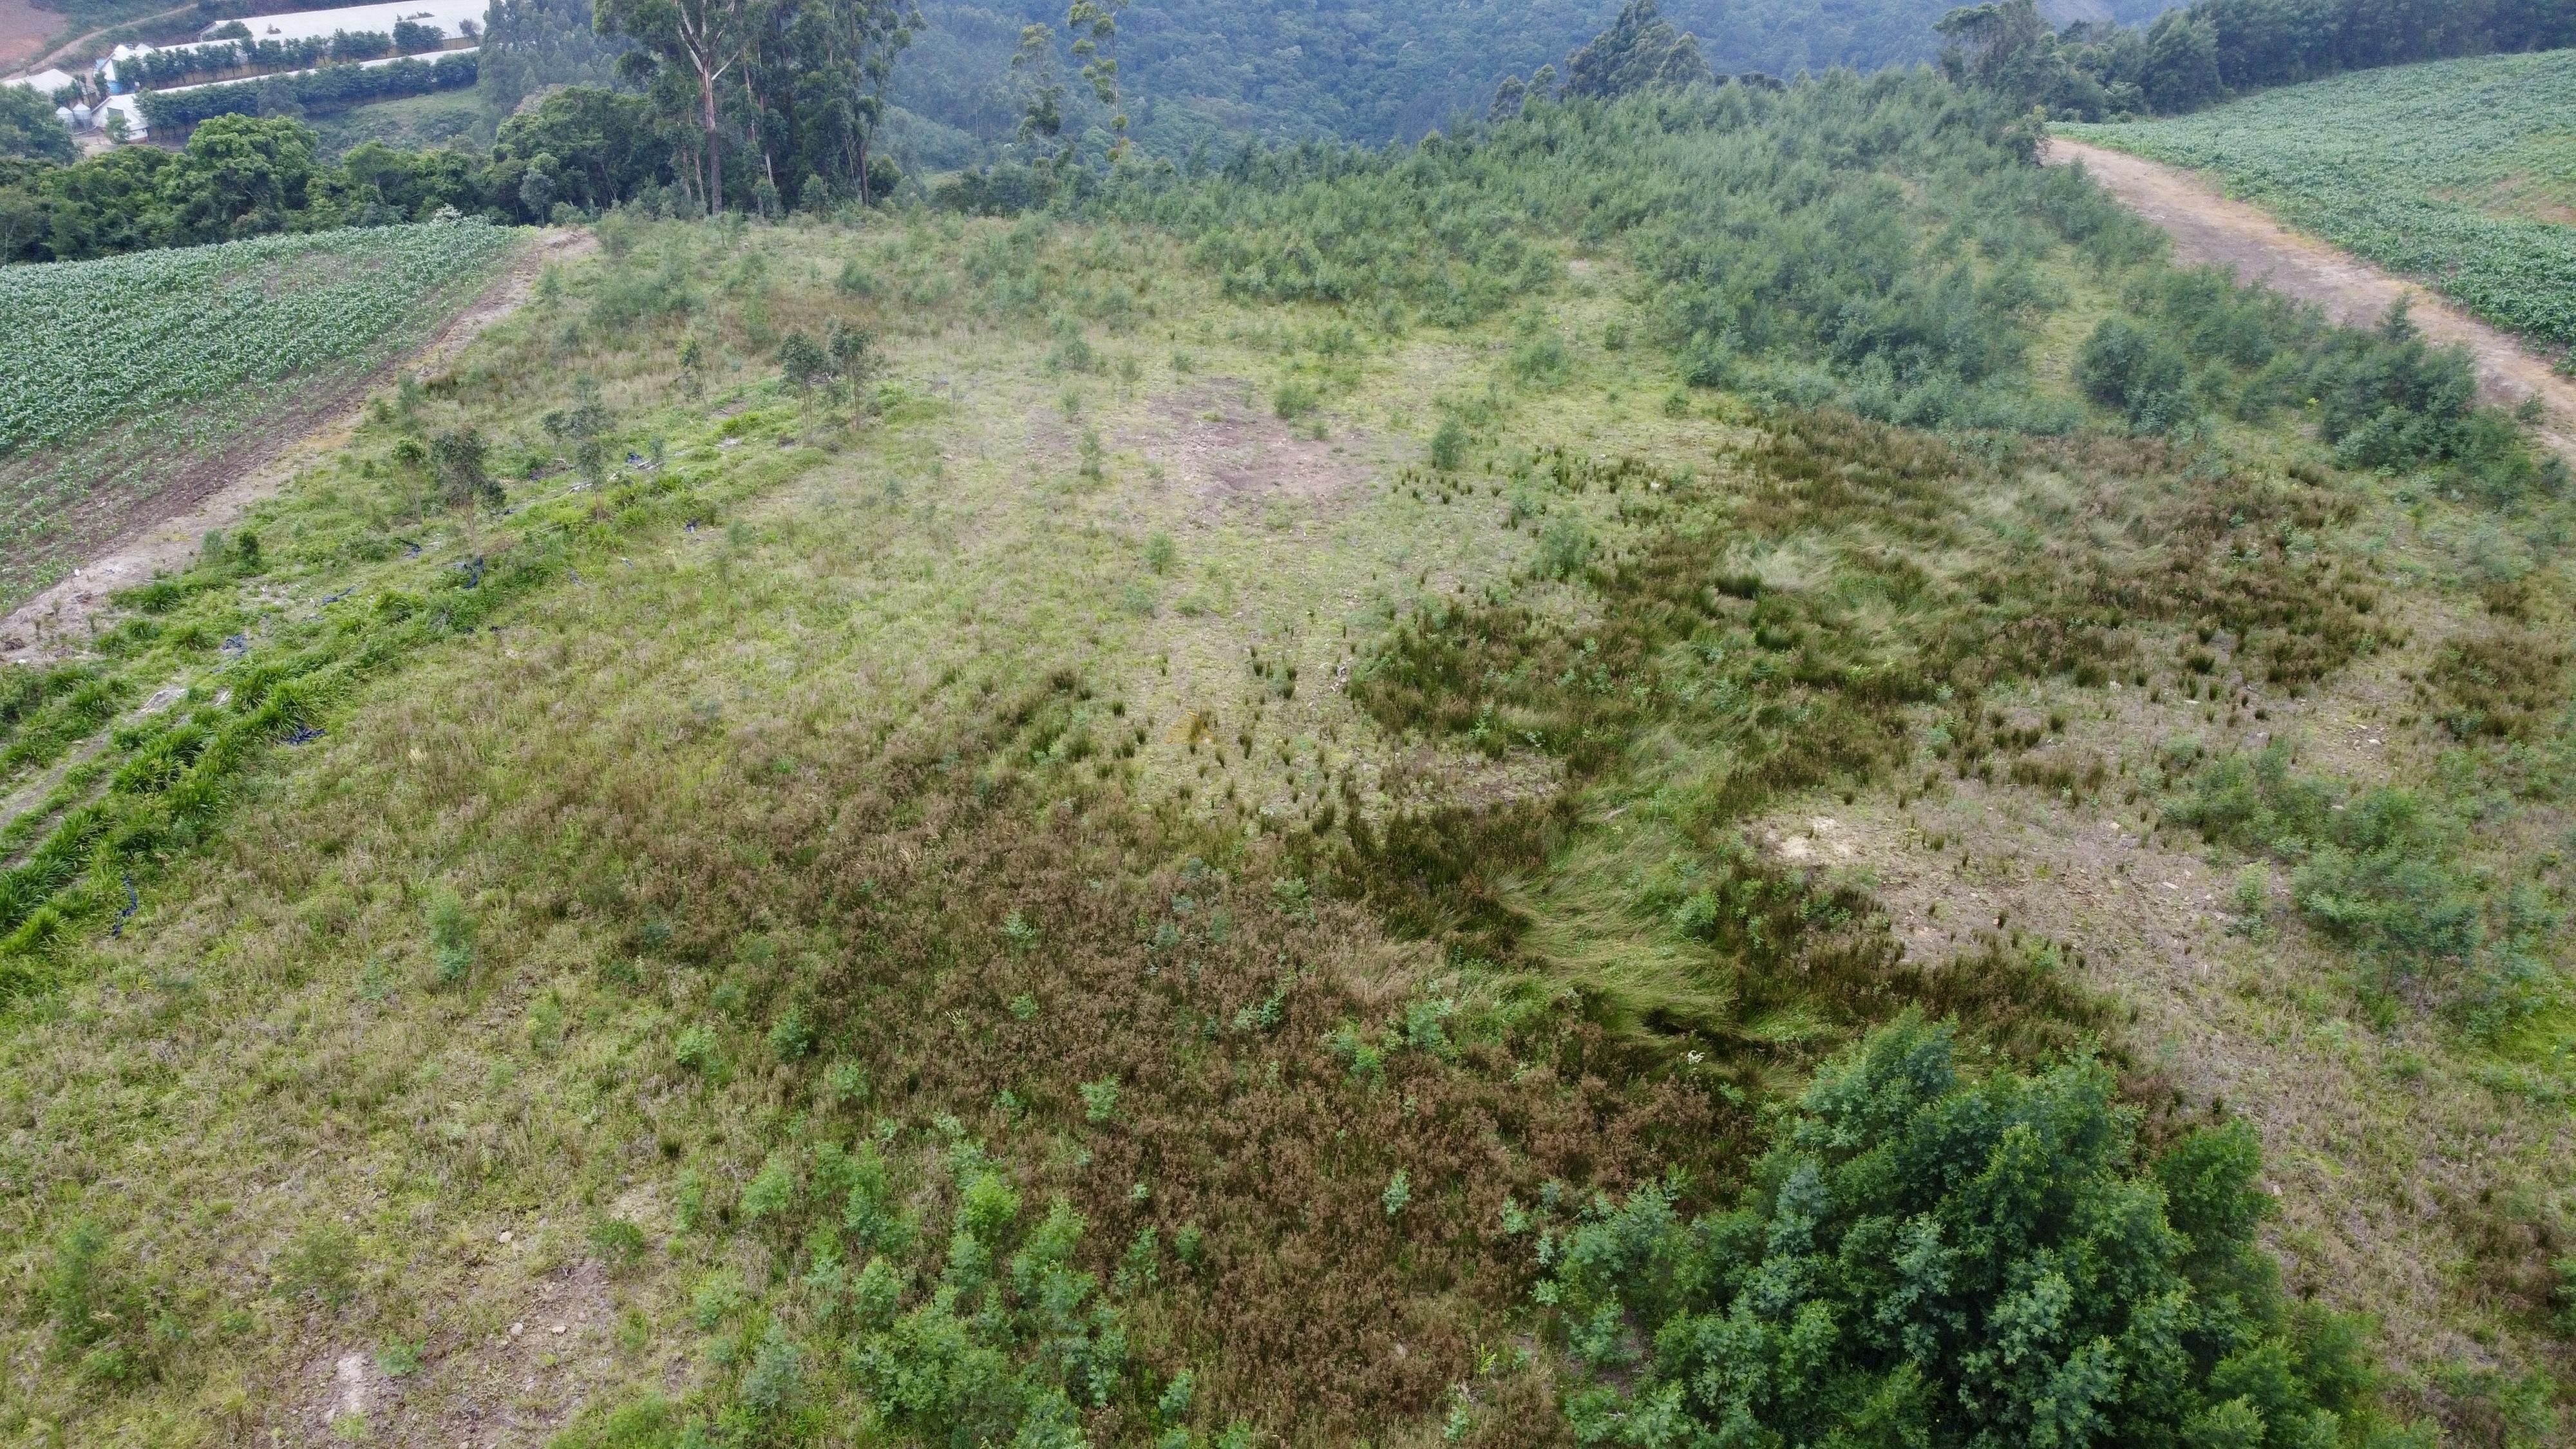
(1327, 802)
(2453, 172)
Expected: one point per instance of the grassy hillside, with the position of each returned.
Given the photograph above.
(124, 379)
(1108, 824)
(2454, 172)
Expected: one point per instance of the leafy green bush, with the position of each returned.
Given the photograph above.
(2122, 366)
(1449, 446)
(999, 1358)
(1929, 1259)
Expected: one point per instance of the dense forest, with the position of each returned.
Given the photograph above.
(2192, 57)
(948, 86)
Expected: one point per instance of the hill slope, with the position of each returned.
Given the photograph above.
(1130, 825)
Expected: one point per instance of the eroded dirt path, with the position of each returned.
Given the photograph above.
(164, 535)
(2209, 229)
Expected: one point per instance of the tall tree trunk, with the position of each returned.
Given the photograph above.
(864, 198)
(715, 153)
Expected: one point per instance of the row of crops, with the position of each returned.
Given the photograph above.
(2460, 172)
(89, 343)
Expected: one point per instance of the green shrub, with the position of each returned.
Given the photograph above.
(451, 939)
(988, 1206)
(1100, 1100)
(1929, 1259)
(1398, 1195)
(1449, 446)
(792, 1035)
(2124, 367)
(320, 1263)
(1541, 361)
(651, 1422)
(2380, 871)
(76, 1293)
(1563, 549)
(697, 1049)
(776, 1379)
(617, 1242)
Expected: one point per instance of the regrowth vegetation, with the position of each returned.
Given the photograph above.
(1932, 1258)
(739, 777)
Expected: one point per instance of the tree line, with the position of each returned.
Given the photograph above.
(175, 66)
(333, 87)
(577, 151)
(2193, 57)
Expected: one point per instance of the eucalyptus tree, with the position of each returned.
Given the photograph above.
(699, 41)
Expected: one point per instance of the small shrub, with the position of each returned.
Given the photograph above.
(1398, 1195)
(777, 1377)
(1100, 1100)
(451, 939)
(1449, 446)
(320, 1263)
(617, 1242)
(716, 1298)
(1541, 361)
(1563, 549)
(697, 1050)
(771, 1193)
(792, 1035)
(651, 1422)
(76, 1290)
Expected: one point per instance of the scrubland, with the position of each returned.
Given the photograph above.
(1195, 819)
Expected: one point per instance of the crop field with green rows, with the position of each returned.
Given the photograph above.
(2460, 172)
(115, 373)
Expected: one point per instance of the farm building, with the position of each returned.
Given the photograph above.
(136, 128)
(43, 82)
(448, 15)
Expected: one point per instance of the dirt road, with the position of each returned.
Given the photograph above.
(2208, 229)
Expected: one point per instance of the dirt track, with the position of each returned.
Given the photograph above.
(2208, 229)
(168, 532)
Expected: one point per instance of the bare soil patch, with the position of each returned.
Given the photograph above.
(1225, 452)
(24, 29)
(547, 1351)
(2212, 1014)
(2209, 229)
(128, 540)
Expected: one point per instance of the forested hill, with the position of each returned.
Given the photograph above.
(1390, 70)
(1375, 70)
